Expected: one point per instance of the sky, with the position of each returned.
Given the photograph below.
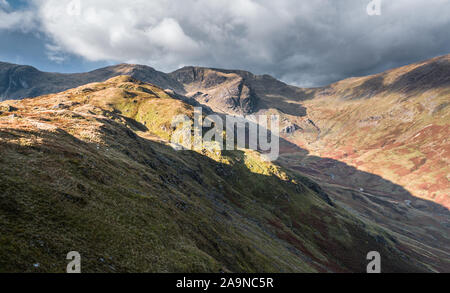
(305, 43)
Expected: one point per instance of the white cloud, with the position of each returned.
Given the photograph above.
(15, 20)
(55, 53)
(117, 30)
(170, 36)
(306, 42)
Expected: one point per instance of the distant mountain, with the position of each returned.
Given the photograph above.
(90, 169)
(237, 91)
(19, 81)
(227, 91)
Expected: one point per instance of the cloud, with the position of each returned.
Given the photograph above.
(15, 20)
(120, 31)
(55, 53)
(303, 42)
(4, 4)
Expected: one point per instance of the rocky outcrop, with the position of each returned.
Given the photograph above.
(226, 92)
(236, 91)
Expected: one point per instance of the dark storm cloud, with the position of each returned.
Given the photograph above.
(308, 43)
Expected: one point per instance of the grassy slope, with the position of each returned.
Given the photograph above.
(394, 124)
(88, 170)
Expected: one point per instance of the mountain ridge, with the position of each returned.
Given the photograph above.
(22, 81)
(122, 68)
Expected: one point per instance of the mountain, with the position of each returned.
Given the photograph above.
(18, 81)
(405, 110)
(377, 146)
(90, 169)
(228, 91)
(394, 124)
(237, 91)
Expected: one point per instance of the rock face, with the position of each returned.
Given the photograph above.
(236, 91)
(228, 92)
